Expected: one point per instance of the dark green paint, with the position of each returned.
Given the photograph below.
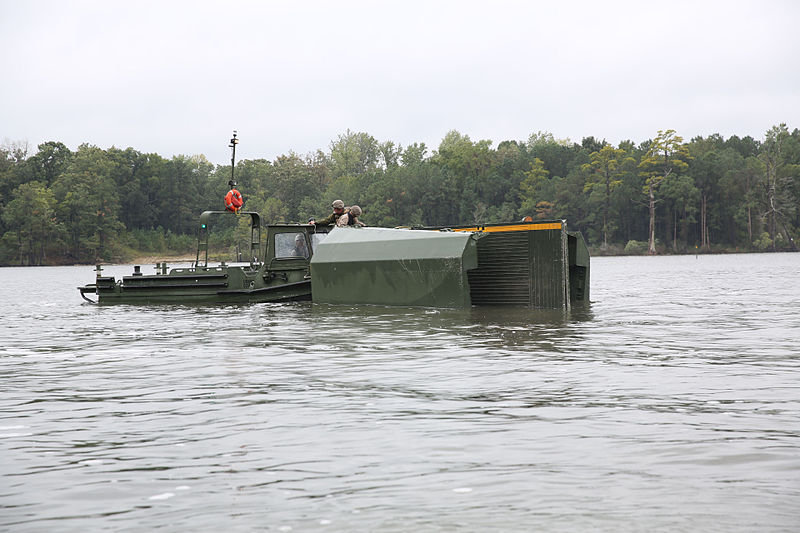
(522, 266)
(270, 280)
(393, 267)
(529, 267)
(578, 268)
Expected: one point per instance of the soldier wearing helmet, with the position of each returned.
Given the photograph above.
(350, 217)
(338, 210)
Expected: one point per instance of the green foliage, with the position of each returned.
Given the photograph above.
(160, 241)
(636, 247)
(88, 203)
(603, 177)
(95, 205)
(665, 154)
(763, 243)
(30, 217)
(414, 154)
(777, 177)
(682, 198)
(49, 162)
(532, 187)
(354, 153)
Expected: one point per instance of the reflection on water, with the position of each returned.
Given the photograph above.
(669, 403)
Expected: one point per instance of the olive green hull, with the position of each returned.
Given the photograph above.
(427, 283)
(230, 284)
(527, 264)
(393, 267)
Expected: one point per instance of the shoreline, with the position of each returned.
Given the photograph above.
(153, 259)
(187, 258)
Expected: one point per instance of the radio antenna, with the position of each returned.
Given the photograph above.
(234, 142)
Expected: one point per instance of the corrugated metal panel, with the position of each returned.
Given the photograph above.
(548, 259)
(521, 268)
(503, 273)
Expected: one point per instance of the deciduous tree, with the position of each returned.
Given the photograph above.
(604, 173)
(776, 179)
(531, 189)
(666, 154)
(30, 216)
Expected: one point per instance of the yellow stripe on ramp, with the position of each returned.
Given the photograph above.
(514, 227)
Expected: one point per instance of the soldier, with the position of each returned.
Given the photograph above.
(300, 248)
(338, 210)
(350, 217)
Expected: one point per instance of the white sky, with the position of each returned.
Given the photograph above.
(177, 77)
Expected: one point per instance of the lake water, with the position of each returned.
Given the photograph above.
(671, 403)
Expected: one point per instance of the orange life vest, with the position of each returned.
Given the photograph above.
(233, 201)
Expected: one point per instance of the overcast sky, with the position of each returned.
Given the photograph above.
(177, 77)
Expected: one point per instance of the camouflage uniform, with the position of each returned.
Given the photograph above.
(350, 217)
(331, 219)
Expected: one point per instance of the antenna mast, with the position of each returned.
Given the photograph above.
(234, 142)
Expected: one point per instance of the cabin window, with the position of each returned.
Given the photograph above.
(291, 245)
(317, 238)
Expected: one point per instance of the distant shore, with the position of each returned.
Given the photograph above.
(170, 259)
(147, 259)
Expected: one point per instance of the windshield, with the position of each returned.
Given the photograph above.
(288, 245)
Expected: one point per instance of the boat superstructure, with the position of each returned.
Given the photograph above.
(536, 264)
(278, 272)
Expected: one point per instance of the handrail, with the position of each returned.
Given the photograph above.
(202, 237)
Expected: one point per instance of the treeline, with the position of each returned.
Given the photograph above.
(663, 195)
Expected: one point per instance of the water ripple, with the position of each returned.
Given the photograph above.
(670, 403)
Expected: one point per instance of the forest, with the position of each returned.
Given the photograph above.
(660, 196)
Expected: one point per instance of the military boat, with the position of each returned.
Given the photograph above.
(278, 273)
(527, 264)
(537, 264)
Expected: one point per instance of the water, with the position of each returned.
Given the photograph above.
(672, 403)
